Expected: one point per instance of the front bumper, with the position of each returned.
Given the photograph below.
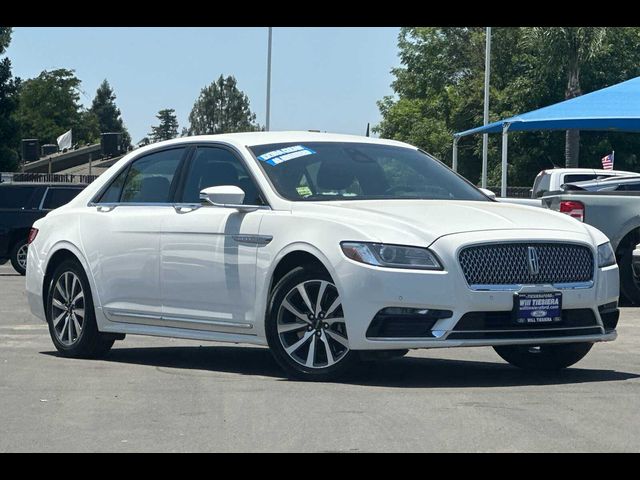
(366, 290)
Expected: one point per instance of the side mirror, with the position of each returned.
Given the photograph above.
(488, 193)
(227, 196)
(223, 195)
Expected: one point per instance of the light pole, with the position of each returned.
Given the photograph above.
(485, 137)
(269, 79)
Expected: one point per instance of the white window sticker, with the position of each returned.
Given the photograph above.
(282, 155)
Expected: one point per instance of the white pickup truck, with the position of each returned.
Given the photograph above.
(549, 182)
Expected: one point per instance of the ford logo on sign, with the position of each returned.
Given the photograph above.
(539, 313)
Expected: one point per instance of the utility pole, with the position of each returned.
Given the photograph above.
(269, 79)
(487, 75)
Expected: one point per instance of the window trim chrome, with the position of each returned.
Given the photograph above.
(190, 148)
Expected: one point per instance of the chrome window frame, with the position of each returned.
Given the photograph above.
(190, 148)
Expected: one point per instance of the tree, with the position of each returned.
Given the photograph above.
(49, 105)
(221, 108)
(439, 91)
(567, 50)
(167, 128)
(8, 105)
(108, 114)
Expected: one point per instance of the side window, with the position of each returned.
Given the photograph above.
(147, 180)
(629, 187)
(541, 185)
(56, 197)
(13, 197)
(213, 167)
(112, 194)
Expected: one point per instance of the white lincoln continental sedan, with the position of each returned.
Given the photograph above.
(327, 248)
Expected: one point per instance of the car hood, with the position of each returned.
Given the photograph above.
(428, 220)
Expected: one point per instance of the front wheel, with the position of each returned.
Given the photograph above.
(305, 326)
(544, 357)
(70, 314)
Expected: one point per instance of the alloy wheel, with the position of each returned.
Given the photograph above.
(311, 324)
(67, 307)
(21, 256)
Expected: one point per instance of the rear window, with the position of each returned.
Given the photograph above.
(56, 197)
(16, 197)
(583, 177)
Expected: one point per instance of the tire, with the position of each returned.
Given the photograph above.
(629, 286)
(19, 257)
(75, 336)
(544, 357)
(306, 347)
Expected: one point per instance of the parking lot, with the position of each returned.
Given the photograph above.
(155, 394)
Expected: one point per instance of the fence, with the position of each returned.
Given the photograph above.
(513, 192)
(18, 177)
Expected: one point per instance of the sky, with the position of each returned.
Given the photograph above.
(325, 79)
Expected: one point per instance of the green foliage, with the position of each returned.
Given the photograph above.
(167, 128)
(439, 91)
(8, 104)
(108, 114)
(221, 108)
(49, 105)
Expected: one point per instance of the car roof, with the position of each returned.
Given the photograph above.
(250, 139)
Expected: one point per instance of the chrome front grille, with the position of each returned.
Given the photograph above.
(526, 264)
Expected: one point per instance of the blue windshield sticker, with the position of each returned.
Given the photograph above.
(282, 155)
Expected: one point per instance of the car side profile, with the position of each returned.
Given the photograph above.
(327, 248)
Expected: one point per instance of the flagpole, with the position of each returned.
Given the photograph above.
(487, 75)
(269, 80)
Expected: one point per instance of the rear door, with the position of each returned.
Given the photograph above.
(121, 236)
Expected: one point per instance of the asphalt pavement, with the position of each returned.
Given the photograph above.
(171, 395)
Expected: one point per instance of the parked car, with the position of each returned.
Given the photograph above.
(616, 215)
(21, 204)
(630, 183)
(323, 247)
(550, 181)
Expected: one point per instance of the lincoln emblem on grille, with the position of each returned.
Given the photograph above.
(534, 265)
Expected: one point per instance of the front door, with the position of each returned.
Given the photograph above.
(208, 254)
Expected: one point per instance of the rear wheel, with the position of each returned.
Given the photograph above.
(19, 257)
(70, 314)
(305, 326)
(544, 357)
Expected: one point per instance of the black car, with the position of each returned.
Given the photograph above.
(21, 204)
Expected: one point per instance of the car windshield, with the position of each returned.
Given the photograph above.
(359, 171)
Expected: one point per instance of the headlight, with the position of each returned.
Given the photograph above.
(392, 256)
(606, 256)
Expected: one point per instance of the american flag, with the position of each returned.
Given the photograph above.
(607, 162)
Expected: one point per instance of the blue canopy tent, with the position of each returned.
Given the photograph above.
(615, 108)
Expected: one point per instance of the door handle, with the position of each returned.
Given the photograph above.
(185, 208)
(105, 208)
